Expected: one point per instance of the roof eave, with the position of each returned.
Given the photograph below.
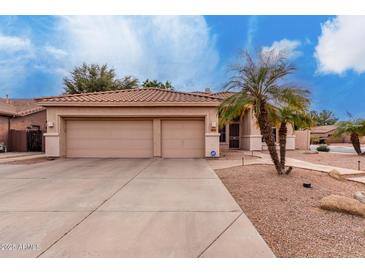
(26, 113)
(8, 114)
(128, 104)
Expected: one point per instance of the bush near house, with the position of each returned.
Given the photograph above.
(323, 148)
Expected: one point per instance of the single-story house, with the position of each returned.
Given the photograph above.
(17, 117)
(142, 123)
(135, 123)
(326, 134)
(321, 134)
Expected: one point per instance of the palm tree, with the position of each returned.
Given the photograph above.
(259, 84)
(289, 115)
(355, 128)
(292, 109)
(323, 118)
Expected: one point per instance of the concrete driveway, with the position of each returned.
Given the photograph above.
(121, 208)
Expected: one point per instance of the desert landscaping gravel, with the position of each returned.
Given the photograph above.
(327, 158)
(288, 216)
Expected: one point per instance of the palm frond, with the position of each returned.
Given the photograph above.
(233, 107)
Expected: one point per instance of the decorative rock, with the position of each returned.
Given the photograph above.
(336, 175)
(311, 152)
(360, 196)
(343, 204)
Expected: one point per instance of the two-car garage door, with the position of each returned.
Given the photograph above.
(109, 138)
(134, 138)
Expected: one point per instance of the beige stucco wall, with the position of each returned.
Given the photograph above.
(290, 138)
(250, 137)
(55, 137)
(302, 139)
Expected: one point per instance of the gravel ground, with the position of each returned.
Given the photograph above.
(237, 155)
(332, 159)
(288, 216)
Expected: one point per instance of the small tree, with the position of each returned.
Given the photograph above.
(91, 78)
(295, 117)
(259, 82)
(292, 110)
(356, 129)
(157, 84)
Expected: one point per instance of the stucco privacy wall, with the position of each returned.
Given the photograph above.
(302, 140)
(56, 115)
(250, 134)
(290, 138)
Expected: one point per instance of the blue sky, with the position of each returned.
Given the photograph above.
(36, 52)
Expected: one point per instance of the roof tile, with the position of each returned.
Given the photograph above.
(143, 95)
(19, 107)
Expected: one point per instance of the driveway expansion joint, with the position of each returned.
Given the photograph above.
(101, 204)
(219, 235)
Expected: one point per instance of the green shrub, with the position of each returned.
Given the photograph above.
(323, 148)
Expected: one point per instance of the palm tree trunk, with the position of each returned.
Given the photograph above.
(356, 142)
(283, 131)
(266, 132)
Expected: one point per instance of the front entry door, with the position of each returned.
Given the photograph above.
(234, 136)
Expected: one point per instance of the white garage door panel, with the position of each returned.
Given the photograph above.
(129, 139)
(183, 139)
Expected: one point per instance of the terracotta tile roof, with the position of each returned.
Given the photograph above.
(143, 95)
(209, 93)
(19, 107)
(323, 129)
(225, 94)
(221, 94)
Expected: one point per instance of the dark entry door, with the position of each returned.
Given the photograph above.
(234, 135)
(34, 140)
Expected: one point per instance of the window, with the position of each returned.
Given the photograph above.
(222, 137)
(274, 133)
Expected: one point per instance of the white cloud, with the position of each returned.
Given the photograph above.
(176, 48)
(252, 27)
(180, 49)
(341, 45)
(14, 44)
(284, 47)
(15, 55)
(55, 52)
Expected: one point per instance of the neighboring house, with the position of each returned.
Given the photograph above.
(324, 134)
(17, 116)
(136, 123)
(143, 123)
(244, 133)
